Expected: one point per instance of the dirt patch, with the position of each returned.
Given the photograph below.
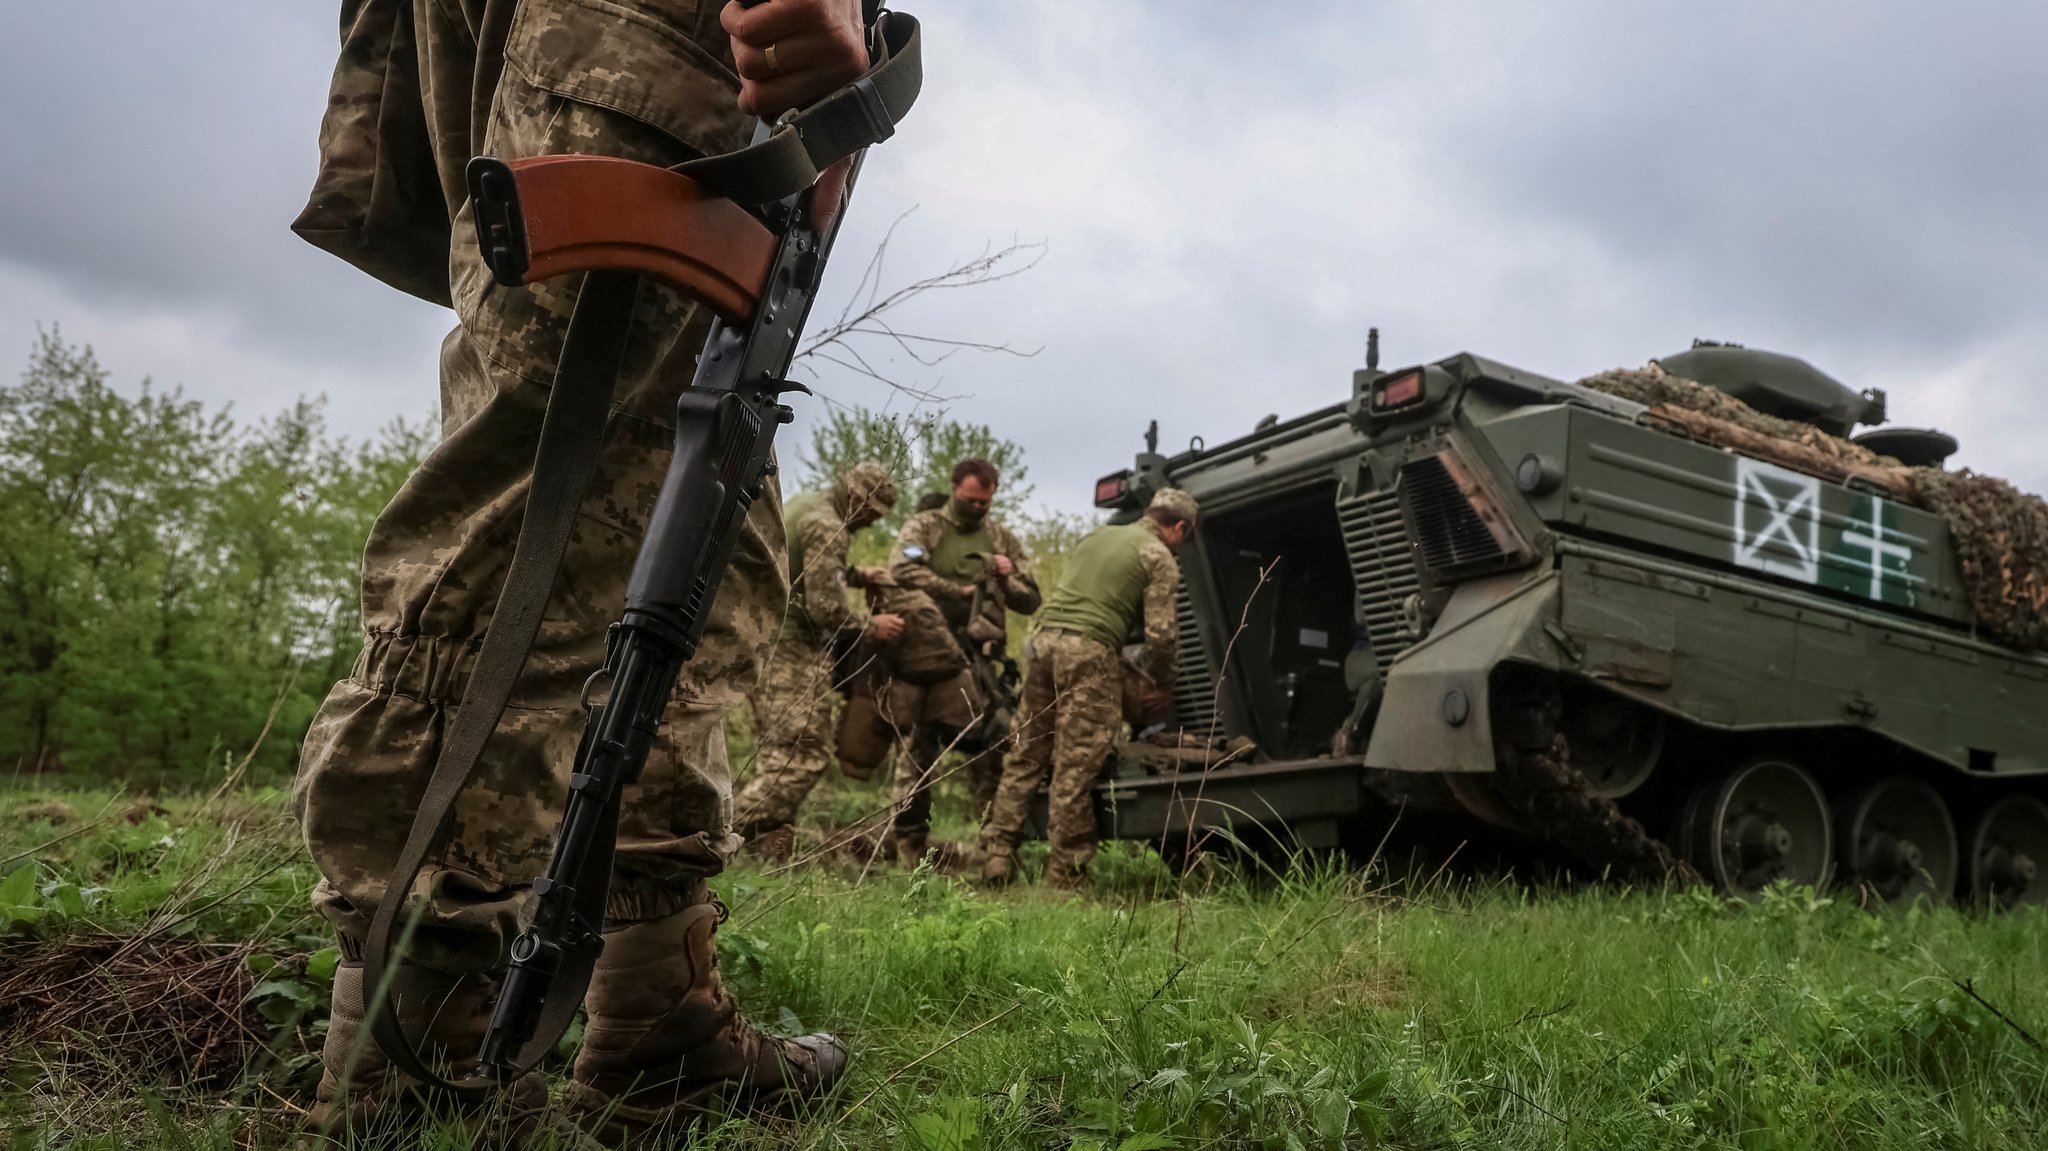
(107, 1008)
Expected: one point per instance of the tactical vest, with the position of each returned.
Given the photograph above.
(1101, 593)
(948, 558)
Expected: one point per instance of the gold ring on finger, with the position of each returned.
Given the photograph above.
(768, 54)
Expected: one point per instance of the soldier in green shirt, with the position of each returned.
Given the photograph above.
(1116, 579)
(975, 570)
(793, 704)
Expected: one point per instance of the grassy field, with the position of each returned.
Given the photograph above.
(147, 949)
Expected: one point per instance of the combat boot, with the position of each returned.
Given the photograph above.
(911, 843)
(665, 1044)
(1063, 876)
(998, 867)
(771, 843)
(361, 1094)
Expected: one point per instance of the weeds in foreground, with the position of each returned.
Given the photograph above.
(1312, 1008)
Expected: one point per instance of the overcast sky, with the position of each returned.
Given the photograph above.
(1229, 195)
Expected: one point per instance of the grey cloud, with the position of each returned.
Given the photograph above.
(1230, 194)
(162, 152)
(1876, 170)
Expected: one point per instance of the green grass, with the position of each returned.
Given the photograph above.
(1315, 1010)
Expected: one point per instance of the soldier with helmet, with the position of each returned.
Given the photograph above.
(962, 562)
(1118, 580)
(793, 722)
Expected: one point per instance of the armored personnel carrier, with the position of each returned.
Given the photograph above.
(1664, 619)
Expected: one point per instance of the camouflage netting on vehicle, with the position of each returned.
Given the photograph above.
(2001, 537)
(1654, 387)
(2000, 532)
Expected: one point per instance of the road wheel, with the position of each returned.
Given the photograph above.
(1762, 822)
(2008, 847)
(1614, 743)
(1898, 842)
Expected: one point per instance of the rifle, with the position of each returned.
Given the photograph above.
(747, 234)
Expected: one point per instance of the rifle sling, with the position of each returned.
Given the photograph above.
(802, 144)
(810, 140)
(572, 429)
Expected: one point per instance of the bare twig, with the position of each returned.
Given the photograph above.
(1969, 988)
(39, 848)
(870, 314)
(284, 691)
(998, 1017)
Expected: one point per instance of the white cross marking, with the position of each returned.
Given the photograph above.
(1878, 547)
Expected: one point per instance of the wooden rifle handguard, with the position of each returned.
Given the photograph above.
(551, 215)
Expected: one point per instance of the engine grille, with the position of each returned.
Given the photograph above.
(1382, 567)
(1450, 536)
(1194, 681)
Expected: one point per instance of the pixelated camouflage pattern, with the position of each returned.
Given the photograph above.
(412, 95)
(377, 200)
(793, 708)
(953, 590)
(819, 609)
(1177, 502)
(925, 652)
(1119, 579)
(793, 733)
(438, 555)
(1069, 717)
(932, 718)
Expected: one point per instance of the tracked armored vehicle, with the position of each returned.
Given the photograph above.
(1719, 634)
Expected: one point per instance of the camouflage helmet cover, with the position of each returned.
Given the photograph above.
(1176, 501)
(867, 482)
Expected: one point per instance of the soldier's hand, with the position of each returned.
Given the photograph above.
(1003, 565)
(886, 626)
(818, 47)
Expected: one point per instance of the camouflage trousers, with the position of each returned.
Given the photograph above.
(438, 555)
(930, 721)
(1067, 720)
(793, 734)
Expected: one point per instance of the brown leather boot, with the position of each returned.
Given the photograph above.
(665, 1045)
(998, 867)
(446, 1014)
(771, 843)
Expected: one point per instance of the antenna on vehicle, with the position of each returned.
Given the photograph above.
(1372, 349)
(1152, 438)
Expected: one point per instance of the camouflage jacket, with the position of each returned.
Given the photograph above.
(932, 555)
(818, 538)
(1116, 578)
(411, 97)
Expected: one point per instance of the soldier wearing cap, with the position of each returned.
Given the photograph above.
(1117, 579)
(793, 705)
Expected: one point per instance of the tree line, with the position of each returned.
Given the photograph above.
(179, 587)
